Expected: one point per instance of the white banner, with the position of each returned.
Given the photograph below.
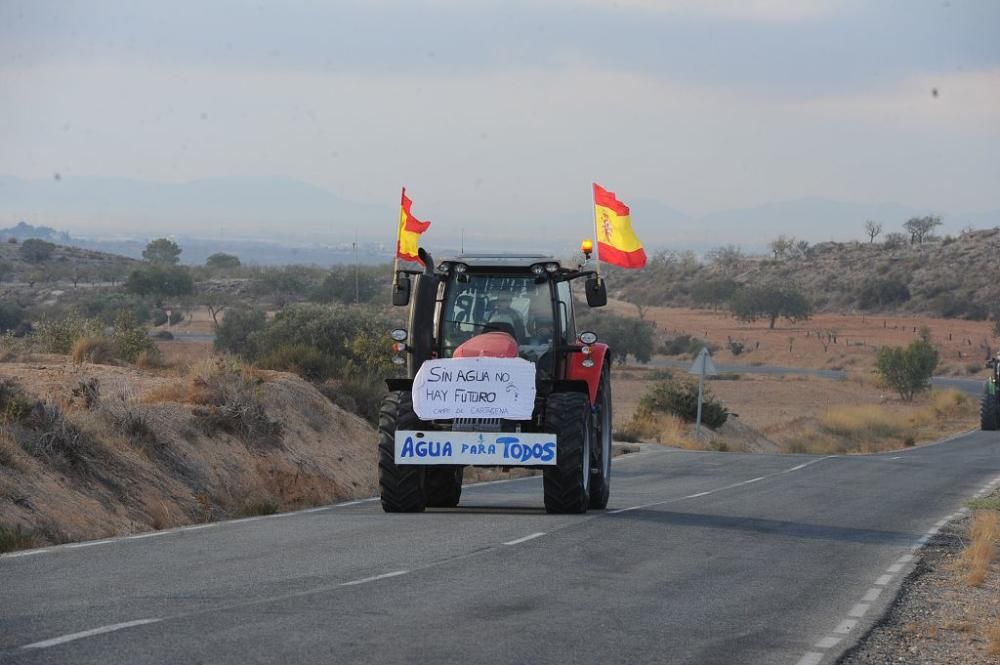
(475, 388)
(485, 448)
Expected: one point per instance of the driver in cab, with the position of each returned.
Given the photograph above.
(504, 313)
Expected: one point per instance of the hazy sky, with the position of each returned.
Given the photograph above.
(509, 109)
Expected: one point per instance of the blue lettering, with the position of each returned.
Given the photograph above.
(549, 452)
(506, 441)
(465, 447)
(446, 451)
(407, 448)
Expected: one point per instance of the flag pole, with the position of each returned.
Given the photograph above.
(597, 241)
(395, 247)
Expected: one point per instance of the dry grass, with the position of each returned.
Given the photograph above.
(984, 534)
(94, 350)
(870, 422)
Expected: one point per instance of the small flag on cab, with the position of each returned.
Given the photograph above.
(617, 243)
(410, 228)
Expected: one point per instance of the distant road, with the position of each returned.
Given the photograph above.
(969, 386)
(702, 558)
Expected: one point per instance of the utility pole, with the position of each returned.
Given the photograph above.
(357, 289)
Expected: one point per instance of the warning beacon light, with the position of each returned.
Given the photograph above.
(587, 247)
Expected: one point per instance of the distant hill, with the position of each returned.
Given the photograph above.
(65, 264)
(954, 277)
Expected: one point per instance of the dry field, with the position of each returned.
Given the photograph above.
(962, 344)
(809, 414)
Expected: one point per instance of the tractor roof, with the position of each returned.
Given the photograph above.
(501, 260)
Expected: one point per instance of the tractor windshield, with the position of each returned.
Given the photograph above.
(517, 305)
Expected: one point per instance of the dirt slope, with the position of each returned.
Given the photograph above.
(155, 451)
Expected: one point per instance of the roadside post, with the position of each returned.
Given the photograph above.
(702, 367)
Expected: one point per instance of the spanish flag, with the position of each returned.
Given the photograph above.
(410, 229)
(617, 243)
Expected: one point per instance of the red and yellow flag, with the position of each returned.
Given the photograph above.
(410, 229)
(617, 243)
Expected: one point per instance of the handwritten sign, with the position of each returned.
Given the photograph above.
(475, 388)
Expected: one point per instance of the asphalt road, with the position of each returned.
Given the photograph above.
(969, 386)
(701, 558)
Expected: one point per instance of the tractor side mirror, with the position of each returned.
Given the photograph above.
(597, 292)
(401, 290)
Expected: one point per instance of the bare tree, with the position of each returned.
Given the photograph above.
(872, 230)
(782, 246)
(919, 227)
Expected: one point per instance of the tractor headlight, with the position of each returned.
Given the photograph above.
(551, 267)
(538, 269)
(399, 334)
(461, 268)
(588, 337)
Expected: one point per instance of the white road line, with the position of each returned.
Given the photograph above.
(883, 580)
(44, 644)
(14, 555)
(846, 626)
(827, 642)
(872, 595)
(525, 539)
(894, 568)
(859, 610)
(373, 578)
(89, 543)
(906, 558)
(811, 658)
(720, 489)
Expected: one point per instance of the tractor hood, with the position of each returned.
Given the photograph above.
(488, 345)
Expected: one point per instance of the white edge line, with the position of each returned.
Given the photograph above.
(845, 626)
(827, 642)
(525, 539)
(373, 578)
(44, 644)
(883, 580)
(810, 658)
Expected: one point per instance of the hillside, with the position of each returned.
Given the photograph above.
(89, 451)
(64, 264)
(950, 278)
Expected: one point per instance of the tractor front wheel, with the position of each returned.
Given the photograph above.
(401, 486)
(600, 473)
(443, 486)
(989, 413)
(567, 483)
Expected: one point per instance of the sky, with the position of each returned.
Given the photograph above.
(499, 114)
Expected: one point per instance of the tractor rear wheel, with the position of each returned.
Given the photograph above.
(989, 412)
(401, 486)
(443, 486)
(567, 483)
(600, 473)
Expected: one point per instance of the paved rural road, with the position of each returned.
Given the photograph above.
(701, 558)
(969, 386)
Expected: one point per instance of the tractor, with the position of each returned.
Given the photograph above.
(990, 410)
(484, 331)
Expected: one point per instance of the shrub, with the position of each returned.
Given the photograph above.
(624, 335)
(306, 361)
(231, 399)
(360, 395)
(907, 371)
(176, 316)
(882, 293)
(131, 339)
(770, 302)
(34, 250)
(159, 317)
(59, 335)
(680, 398)
(238, 328)
(105, 307)
(160, 281)
(15, 539)
(94, 350)
(735, 348)
(11, 316)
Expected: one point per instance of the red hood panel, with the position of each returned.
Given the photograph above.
(488, 345)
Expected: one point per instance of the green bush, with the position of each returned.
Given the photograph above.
(160, 281)
(907, 371)
(57, 335)
(130, 338)
(11, 316)
(624, 335)
(680, 398)
(881, 293)
(239, 325)
(306, 361)
(105, 307)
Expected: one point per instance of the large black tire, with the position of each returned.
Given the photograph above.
(402, 486)
(567, 483)
(443, 486)
(989, 413)
(600, 468)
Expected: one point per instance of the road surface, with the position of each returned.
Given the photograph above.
(701, 558)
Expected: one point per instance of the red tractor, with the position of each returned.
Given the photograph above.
(497, 376)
